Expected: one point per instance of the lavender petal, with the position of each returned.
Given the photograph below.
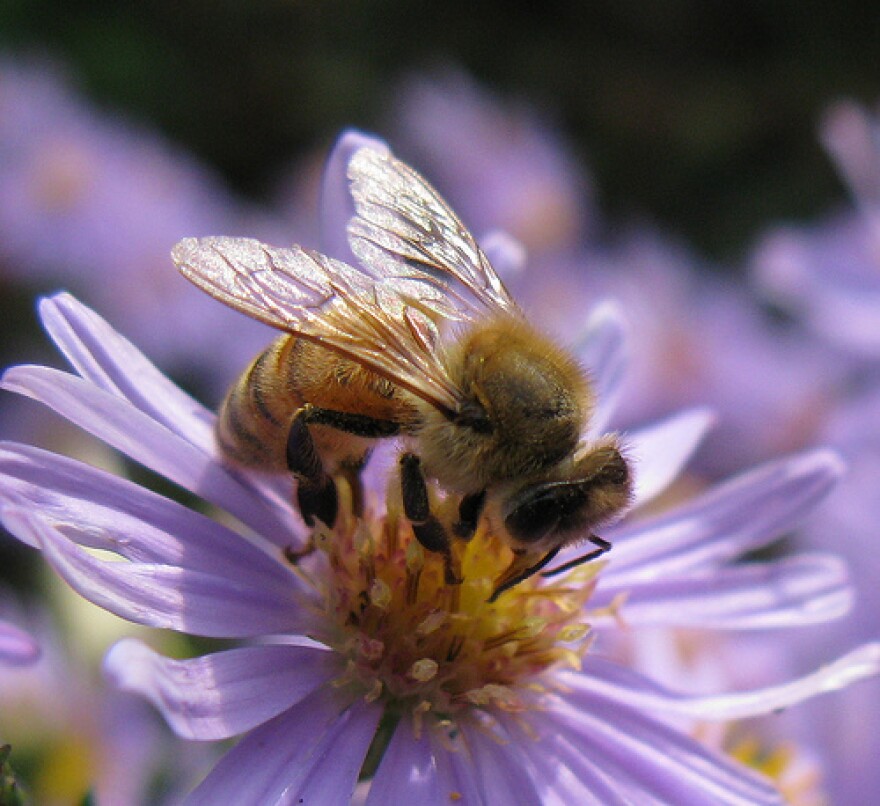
(602, 348)
(337, 206)
(99, 510)
(17, 648)
(221, 695)
(416, 768)
(166, 596)
(570, 775)
(503, 777)
(650, 756)
(660, 451)
(123, 426)
(274, 763)
(101, 355)
(739, 515)
(792, 592)
(621, 685)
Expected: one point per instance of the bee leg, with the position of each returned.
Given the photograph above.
(315, 490)
(417, 508)
(360, 425)
(469, 511)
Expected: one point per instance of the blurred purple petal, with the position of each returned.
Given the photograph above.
(852, 139)
(95, 202)
(337, 206)
(275, 763)
(740, 515)
(499, 164)
(224, 694)
(660, 451)
(17, 648)
(602, 349)
(792, 592)
(506, 254)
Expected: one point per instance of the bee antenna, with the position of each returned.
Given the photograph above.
(603, 546)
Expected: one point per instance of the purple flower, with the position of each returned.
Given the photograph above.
(693, 337)
(78, 737)
(501, 164)
(96, 202)
(829, 274)
(363, 647)
(17, 647)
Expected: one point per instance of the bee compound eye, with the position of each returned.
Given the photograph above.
(539, 511)
(533, 516)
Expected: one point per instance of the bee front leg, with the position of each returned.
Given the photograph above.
(417, 508)
(315, 490)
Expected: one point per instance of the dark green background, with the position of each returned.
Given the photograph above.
(700, 115)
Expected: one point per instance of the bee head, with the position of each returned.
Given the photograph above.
(548, 514)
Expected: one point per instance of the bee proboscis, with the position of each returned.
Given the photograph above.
(422, 342)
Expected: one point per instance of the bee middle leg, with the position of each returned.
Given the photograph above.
(417, 508)
(316, 490)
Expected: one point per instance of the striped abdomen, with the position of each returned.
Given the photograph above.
(254, 419)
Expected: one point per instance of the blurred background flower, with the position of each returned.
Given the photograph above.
(681, 158)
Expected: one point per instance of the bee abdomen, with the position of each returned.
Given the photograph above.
(255, 416)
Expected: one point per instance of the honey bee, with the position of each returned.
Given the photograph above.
(424, 343)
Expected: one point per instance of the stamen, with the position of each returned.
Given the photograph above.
(424, 647)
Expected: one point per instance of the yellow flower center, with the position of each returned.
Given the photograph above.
(424, 647)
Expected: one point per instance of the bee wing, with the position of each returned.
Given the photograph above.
(403, 228)
(390, 325)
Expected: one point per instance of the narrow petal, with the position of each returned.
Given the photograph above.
(650, 755)
(417, 769)
(337, 206)
(567, 775)
(737, 516)
(129, 430)
(176, 598)
(506, 254)
(504, 775)
(274, 763)
(603, 350)
(622, 685)
(99, 510)
(793, 592)
(101, 355)
(661, 451)
(17, 648)
(223, 694)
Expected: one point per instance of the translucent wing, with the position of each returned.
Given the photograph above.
(404, 228)
(390, 324)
